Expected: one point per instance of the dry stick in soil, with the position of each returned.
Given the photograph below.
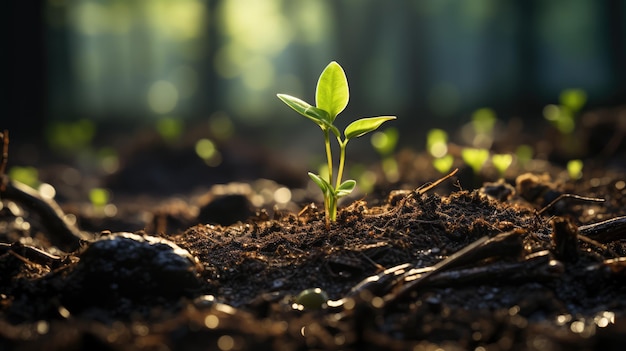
(426, 187)
(418, 192)
(502, 245)
(451, 261)
(63, 233)
(537, 266)
(568, 196)
(30, 254)
(565, 239)
(605, 231)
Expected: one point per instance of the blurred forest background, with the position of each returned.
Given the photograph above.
(119, 65)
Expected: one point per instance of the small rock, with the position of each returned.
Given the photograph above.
(135, 267)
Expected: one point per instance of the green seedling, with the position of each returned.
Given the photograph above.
(170, 128)
(366, 178)
(443, 164)
(573, 99)
(437, 146)
(483, 123)
(524, 154)
(25, 175)
(475, 158)
(206, 150)
(384, 143)
(575, 169)
(484, 120)
(563, 116)
(71, 137)
(437, 142)
(331, 98)
(501, 162)
(99, 198)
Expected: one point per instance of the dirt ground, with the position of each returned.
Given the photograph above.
(534, 262)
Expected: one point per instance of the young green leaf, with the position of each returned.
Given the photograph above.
(346, 188)
(307, 110)
(295, 103)
(501, 162)
(332, 93)
(315, 113)
(475, 158)
(365, 125)
(321, 183)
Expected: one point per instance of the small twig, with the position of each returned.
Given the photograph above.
(449, 262)
(598, 245)
(423, 189)
(605, 231)
(426, 187)
(534, 267)
(504, 244)
(568, 196)
(31, 254)
(62, 232)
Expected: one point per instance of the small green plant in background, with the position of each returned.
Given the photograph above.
(501, 162)
(575, 169)
(573, 99)
(331, 98)
(25, 175)
(475, 158)
(366, 178)
(170, 128)
(437, 146)
(100, 198)
(437, 142)
(563, 116)
(524, 154)
(71, 137)
(385, 142)
(206, 150)
(443, 164)
(483, 123)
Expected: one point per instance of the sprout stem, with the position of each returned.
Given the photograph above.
(328, 203)
(329, 156)
(342, 161)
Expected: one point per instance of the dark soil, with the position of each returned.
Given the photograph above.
(549, 277)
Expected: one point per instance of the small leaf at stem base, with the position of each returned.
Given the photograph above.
(345, 188)
(321, 183)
